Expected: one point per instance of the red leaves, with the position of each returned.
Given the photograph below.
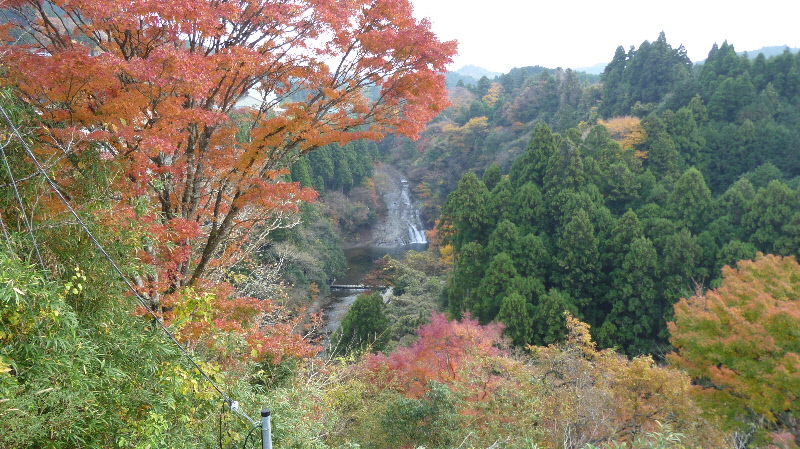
(159, 83)
(448, 352)
(239, 329)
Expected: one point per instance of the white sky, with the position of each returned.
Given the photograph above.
(499, 35)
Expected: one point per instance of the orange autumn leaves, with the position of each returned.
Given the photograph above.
(567, 392)
(742, 340)
(148, 89)
(151, 86)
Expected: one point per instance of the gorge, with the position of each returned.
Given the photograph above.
(398, 231)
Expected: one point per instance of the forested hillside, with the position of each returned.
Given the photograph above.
(162, 243)
(612, 199)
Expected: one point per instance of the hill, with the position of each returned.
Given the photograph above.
(477, 72)
(769, 51)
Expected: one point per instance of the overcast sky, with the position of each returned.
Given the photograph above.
(499, 35)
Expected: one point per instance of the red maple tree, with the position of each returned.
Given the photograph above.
(153, 91)
(151, 87)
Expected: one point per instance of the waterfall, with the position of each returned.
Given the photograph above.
(410, 215)
(402, 225)
(400, 230)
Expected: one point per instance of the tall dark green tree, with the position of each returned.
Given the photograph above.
(686, 135)
(469, 269)
(579, 258)
(690, 204)
(466, 210)
(643, 77)
(732, 95)
(501, 201)
(772, 209)
(300, 172)
(549, 321)
(532, 165)
(662, 156)
(722, 63)
(515, 314)
(492, 176)
(616, 92)
(494, 287)
(634, 320)
(365, 326)
(679, 270)
(533, 259)
(527, 208)
(504, 239)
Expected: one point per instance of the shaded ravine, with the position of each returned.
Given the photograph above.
(399, 231)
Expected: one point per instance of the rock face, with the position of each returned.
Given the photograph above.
(398, 230)
(401, 225)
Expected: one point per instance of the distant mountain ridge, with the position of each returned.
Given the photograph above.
(769, 51)
(477, 72)
(471, 73)
(596, 69)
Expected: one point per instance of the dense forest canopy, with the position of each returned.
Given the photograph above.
(612, 200)
(662, 173)
(578, 291)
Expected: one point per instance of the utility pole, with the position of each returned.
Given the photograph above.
(266, 429)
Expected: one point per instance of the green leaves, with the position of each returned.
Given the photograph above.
(73, 380)
(364, 327)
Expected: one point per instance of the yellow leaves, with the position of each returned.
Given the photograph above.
(450, 128)
(477, 124)
(491, 97)
(475, 128)
(191, 306)
(74, 285)
(187, 381)
(602, 395)
(579, 336)
(627, 131)
(447, 255)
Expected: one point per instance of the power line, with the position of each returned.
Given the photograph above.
(234, 405)
(28, 221)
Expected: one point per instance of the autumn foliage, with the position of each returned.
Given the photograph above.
(598, 396)
(741, 341)
(455, 368)
(441, 354)
(564, 395)
(152, 92)
(149, 88)
(237, 329)
(626, 131)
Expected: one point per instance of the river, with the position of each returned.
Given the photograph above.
(399, 231)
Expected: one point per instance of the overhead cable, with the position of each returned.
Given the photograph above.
(234, 405)
(25, 217)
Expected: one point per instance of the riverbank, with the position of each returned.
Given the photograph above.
(397, 230)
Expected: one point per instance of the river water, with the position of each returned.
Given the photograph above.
(399, 231)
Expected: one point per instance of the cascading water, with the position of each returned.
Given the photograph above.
(402, 225)
(400, 230)
(410, 215)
